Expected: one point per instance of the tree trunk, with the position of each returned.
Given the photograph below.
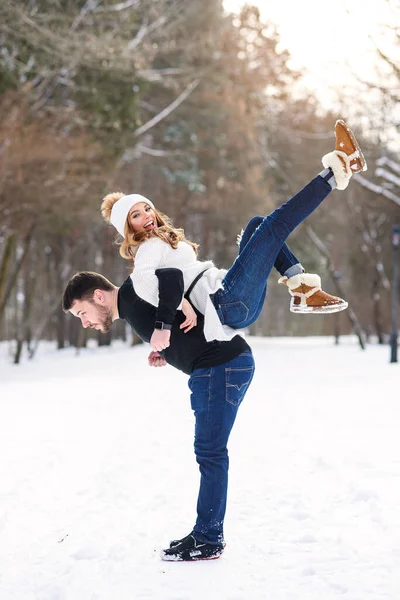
(5, 261)
(17, 334)
(104, 339)
(73, 331)
(336, 327)
(82, 339)
(12, 278)
(377, 313)
(65, 269)
(60, 330)
(358, 330)
(24, 330)
(4, 267)
(135, 339)
(18, 351)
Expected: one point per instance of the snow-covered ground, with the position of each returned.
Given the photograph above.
(97, 473)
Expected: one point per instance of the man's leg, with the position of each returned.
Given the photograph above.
(215, 406)
(216, 395)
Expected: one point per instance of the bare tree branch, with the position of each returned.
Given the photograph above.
(388, 176)
(150, 107)
(168, 110)
(336, 277)
(384, 160)
(377, 189)
(308, 135)
(154, 152)
(158, 74)
(117, 7)
(145, 30)
(386, 58)
(89, 7)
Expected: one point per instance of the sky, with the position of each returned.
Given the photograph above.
(329, 39)
(98, 474)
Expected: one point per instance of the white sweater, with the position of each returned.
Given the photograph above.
(156, 254)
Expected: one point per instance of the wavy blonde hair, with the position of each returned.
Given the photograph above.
(165, 230)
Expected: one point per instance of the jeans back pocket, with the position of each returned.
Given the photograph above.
(237, 381)
(233, 314)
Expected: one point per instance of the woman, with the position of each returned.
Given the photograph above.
(233, 299)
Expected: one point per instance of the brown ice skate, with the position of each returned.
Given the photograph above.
(308, 297)
(347, 158)
(348, 148)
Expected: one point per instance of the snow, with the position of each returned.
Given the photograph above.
(97, 475)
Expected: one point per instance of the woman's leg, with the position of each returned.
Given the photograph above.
(238, 303)
(286, 262)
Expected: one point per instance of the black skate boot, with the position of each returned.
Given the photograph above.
(191, 549)
(174, 543)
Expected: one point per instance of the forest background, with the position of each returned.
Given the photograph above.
(201, 111)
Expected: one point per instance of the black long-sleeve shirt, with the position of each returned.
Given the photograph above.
(187, 351)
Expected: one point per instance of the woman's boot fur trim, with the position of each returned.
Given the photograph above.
(342, 176)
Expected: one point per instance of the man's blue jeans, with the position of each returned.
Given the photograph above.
(216, 394)
(263, 246)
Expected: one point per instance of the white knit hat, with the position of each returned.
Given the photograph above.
(121, 208)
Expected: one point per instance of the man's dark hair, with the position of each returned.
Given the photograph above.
(82, 286)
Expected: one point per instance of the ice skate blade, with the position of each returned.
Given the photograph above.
(319, 310)
(168, 558)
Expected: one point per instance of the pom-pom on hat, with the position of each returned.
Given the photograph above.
(121, 208)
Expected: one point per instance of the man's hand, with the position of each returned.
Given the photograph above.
(160, 339)
(191, 317)
(156, 360)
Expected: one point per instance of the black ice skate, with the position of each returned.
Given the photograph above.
(191, 549)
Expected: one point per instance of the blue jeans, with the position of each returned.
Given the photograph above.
(216, 394)
(240, 301)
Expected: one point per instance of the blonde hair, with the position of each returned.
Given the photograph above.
(165, 230)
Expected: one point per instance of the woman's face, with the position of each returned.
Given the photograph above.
(142, 217)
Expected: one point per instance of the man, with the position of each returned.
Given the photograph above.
(220, 375)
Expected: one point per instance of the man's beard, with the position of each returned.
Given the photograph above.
(105, 318)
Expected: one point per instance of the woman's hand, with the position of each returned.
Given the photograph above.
(156, 360)
(160, 339)
(191, 317)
